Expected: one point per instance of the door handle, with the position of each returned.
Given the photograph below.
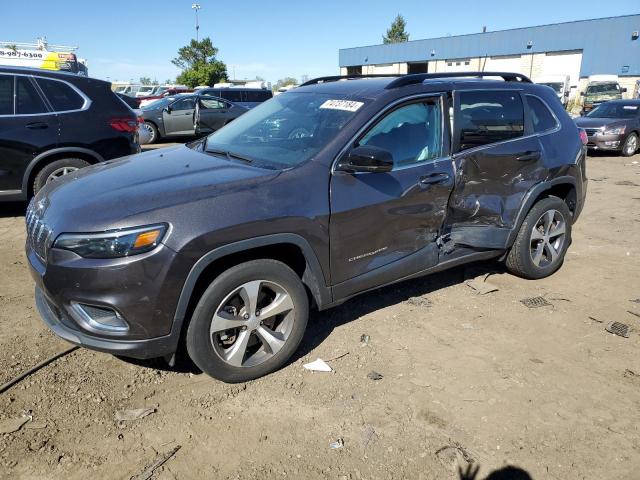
(37, 125)
(528, 156)
(434, 178)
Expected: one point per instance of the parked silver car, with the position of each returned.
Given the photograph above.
(187, 115)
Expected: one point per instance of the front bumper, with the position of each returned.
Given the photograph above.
(605, 142)
(143, 289)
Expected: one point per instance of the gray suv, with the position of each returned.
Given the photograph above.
(224, 245)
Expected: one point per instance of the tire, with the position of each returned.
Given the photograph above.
(153, 130)
(542, 240)
(57, 169)
(630, 145)
(225, 351)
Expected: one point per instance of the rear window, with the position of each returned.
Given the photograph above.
(60, 95)
(28, 100)
(486, 117)
(541, 117)
(257, 96)
(6, 95)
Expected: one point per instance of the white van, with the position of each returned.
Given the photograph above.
(561, 84)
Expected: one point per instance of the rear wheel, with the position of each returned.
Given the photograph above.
(542, 240)
(153, 132)
(630, 145)
(248, 322)
(56, 170)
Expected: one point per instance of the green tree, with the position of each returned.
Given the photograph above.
(145, 81)
(396, 33)
(199, 64)
(284, 82)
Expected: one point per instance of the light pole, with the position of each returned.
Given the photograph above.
(196, 7)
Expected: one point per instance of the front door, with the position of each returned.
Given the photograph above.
(380, 219)
(178, 119)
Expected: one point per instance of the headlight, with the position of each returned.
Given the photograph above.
(120, 243)
(615, 131)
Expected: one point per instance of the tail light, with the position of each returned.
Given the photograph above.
(140, 120)
(583, 136)
(129, 125)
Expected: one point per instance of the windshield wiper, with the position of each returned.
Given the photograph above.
(229, 154)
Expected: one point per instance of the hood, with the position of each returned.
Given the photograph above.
(601, 97)
(107, 195)
(588, 122)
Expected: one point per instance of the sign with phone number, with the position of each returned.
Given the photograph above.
(19, 53)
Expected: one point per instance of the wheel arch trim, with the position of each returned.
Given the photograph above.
(313, 276)
(38, 159)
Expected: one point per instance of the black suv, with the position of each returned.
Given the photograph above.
(226, 243)
(53, 123)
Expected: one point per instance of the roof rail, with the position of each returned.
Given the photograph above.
(411, 79)
(335, 78)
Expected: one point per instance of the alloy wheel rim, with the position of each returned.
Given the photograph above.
(547, 238)
(60, 172)
(252, 323)
(632, 144)
(149, 129)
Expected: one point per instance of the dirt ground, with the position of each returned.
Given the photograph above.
(466, 378)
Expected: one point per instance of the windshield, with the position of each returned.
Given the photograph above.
(145, 89)
(614, 110)
(286, 130)
(120, 89)
(160, 103)
(600, 88)
(557, 86)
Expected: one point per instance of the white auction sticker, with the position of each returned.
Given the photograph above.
(630, 107)
(347, 105)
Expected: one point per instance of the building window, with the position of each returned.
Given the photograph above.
(355, 70)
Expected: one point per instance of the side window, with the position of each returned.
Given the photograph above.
(485, 117)
(6, 95)
(28, 100)
(541, 117)
(231, 95)
(212, 103)
(184, 104)
(60, 95)
(411, 133)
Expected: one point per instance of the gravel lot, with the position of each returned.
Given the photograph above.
(466, 378)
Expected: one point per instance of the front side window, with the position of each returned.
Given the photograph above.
(411, 133)
(287, 130)
(184, 104)
(541, 118)
(232, 95)
(212, 103)
(28, 100)
(60, 95)
(6, 95)
(485, 117)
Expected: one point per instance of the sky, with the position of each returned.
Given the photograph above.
(125, 40)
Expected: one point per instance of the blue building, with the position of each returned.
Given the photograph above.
(575, 49)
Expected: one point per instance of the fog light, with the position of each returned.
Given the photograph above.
(100, 319)
(612, 143)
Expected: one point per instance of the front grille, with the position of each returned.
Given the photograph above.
(592, 131)
(38, 233)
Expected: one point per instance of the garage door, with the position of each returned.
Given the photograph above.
(563, 63)
(503, 63)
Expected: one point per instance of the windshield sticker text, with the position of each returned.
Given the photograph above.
(347, 105)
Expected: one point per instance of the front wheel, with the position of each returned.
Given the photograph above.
(248, 322)
(542, 240)
(630, 145)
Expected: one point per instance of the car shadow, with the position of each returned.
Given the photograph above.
(322, 323)
(13, 209)
(505, 473)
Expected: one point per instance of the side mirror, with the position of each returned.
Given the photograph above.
(623, 89)
(167, 109)
(367, 159)
(582, 94)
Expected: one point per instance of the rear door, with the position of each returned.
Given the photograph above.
(27, 128)
(498, 158)
(178, 119)
(378, 219)
(212, 114)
